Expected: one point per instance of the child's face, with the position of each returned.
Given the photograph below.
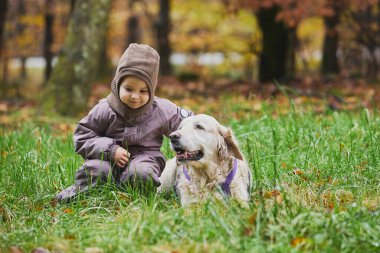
(134, 92)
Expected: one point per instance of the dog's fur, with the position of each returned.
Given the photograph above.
(202, 136)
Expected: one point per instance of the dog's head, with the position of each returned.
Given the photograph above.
(201, 138)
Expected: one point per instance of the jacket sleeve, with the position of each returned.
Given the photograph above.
(89, 139)
(174, 118)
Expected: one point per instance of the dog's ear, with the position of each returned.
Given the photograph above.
(230, 141)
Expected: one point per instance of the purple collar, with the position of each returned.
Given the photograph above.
(226, 184)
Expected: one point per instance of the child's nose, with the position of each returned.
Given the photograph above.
(134, 95)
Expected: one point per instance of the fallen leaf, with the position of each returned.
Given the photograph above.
(299, 241)
(252, 219)
(93, 250)
(279, 199)
(53, 202)
(372, 204)
(14, 249)
(344, 197)
(247, 231)
(68, 211)
(300, 173)
(270, 194)
(328, 200)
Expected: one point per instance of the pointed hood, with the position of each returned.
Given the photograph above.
(141, 61)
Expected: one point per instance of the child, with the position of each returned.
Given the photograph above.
(121, 136)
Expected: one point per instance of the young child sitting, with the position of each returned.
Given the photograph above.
(120, 138)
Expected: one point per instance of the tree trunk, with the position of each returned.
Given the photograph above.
(72, 5)
(163, 31)
(79, 60)
(330, 45)
(133, 27)
(48, 38)
(290, 62)
(23, 72)
(275, 43)
(3, 15)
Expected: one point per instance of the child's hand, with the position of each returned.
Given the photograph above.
(121, 157)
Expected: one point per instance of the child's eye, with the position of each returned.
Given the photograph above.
(144, 91)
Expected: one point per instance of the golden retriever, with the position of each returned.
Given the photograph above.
(208, 162)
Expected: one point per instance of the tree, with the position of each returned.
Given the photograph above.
(48, 38)
(3, 15)
(275, 45)
(163, 31)
(133, 26)
(278, 21)
(69, 86)
(331, 21)
(365, 21)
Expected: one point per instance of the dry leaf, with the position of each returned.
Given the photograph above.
(299, 241)
(298, 172)
(14, 249)
(372, 204)
(252, 219)
(344, 197)
(279, 199)
(93, 250)
(248, 231)
(270, 194)
(328, 199)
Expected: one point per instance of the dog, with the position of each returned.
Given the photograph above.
(208, 163)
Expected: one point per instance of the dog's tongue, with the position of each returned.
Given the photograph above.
(184, 155)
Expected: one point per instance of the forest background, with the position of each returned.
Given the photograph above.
(62, 54)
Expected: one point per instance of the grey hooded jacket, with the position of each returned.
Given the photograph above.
(111, 123)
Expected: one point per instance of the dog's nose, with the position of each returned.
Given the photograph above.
(174, 136)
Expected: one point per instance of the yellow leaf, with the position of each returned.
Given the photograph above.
(270, 194)
(252, 219)
(344, 196)
(299, 241)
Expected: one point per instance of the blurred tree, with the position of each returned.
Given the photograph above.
(3, 14)
(79, 59)
(365, 20)
(278, 21)
(331, 19)
(133, 26)
(48, 38)
(20, 30)
(275, 46)
(72, 5)
(163, 31)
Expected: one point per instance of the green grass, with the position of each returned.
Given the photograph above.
(316, 189)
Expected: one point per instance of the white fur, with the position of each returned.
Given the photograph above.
(219, 147)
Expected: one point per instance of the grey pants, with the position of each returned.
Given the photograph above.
(142, 170)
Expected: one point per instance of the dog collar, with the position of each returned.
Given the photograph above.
(226, 184)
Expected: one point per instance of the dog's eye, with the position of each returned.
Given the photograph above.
(198, 126)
